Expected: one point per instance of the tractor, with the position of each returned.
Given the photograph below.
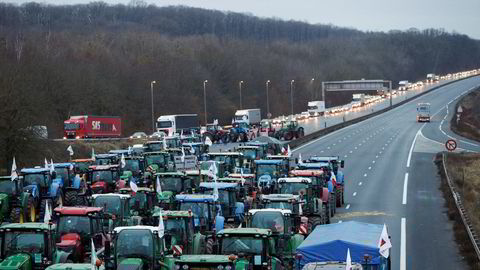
(73, 185)
(197, 176)
(232, 210)
(239, 132)
(290, 130)
(39, 183)
(267, 128)
(107, 159)
(267, 172)
(142, 203)
(75, 227)
(159, 161)
(172, 183)
(153, 146)
(224, 262)
(135, 248)
(335, 162)
(29, 246)
(103, 178)
(198, 149)
(16, 205)
(216, 134)
(286, 231)
(234, 161)
(254, 248)
(250, 153)
(81, 165)
(315, 204)
(117, 206)
(246, 189)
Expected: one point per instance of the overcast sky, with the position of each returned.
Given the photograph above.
(462, 16)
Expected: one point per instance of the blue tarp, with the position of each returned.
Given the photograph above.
(330, 242)
(269, 161)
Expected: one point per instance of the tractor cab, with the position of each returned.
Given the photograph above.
(107, 159)
(73, 185)
(196, 148)
(173, 142)
(120, 152)
(198, 176)
(333, 160)
(16, 205)
(232, 160)
(267, 172)
(232, 210)
(206, 211)
(29, 246)
(75, 227)
(142, 203)
(135, 165)
(159, 161)
(281, 201)
(172, 183)
(103, 178)
(153, 146)
(81, 165)
(250, 153)
(117, 206)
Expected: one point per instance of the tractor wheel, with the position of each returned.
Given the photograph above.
(209, 246)
(43, 207)
(339, 198)
(334, 204)
(80, 201)
(244, 137)
(225, 138)
(324, 214)
(300, 133)
(71, 198)
(327, 215)
(287, 136)
(31, 211)
(16, 216)
(331, 202)
(58, 200)
(313, 222)
(343, 197)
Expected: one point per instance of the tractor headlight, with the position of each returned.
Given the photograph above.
(228, 267)
(177, 267)
(185, 267)
(220, 267)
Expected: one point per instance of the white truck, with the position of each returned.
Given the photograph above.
(248, 116)
(316, 108)
(403, 85)
(358, 100)
(174, 124)
(430, 77)
(423, 112)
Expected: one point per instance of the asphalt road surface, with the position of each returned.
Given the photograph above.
(391, 177)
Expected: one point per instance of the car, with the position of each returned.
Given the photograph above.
(157, 134)
(138, 135)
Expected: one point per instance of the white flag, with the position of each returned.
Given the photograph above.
(161, 227)
(182, 158)
(48, 213)
(46, 164)
(300, 209)
(289, 152)
(70, 150)
(300, 160)
(348, 264)
(14, 174)
(93, 154)
(212, 170)
(94, 257)
(158, 187)
(52, 167)
(208, 141)
(283, 150)
(215, 189)
(181, 134)
(122, 161)
(192, 150)
(164, 143)
(384, 243)
(129, 150)
(133, 186)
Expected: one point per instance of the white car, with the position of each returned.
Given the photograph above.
(138, 135)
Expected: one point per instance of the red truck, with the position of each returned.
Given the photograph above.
(90, 126)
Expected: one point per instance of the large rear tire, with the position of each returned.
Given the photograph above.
(327, 215)
(209, 246)
(31, 211)
(339, 198)
(43, 207)
(16, 216)
(313, 222)
(71, 198)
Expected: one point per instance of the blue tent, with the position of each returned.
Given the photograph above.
(330, 242)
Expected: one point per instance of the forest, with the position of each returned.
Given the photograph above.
(57, 61)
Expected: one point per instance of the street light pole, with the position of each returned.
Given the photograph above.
(291, 96)
(312, 88)
(268, 104)
(240, 87)
(153, 115)
(205, 99)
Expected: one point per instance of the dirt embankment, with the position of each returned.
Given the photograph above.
(469, 123)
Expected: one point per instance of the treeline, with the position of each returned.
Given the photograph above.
(57, 61)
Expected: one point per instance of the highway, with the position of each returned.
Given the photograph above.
(391, 177)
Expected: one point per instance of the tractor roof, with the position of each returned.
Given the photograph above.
(248, 147)
(155, 153)
(119, 151)
(282, 211)
(146, 189)
(81, 160)
(28, 226)
(105, 155)
(279, 197)
(204, 259)
(225, 154)
(324, 158)
(176, 213)
(278, 157)
(153, 142)
(211, 185)
(104, 167)
(295, 180)
(35, 170)
(134, 158)
(194, 198)
(246, 231)
(63, 165)
(196, 172)
(121, 196)
(306, 173)
(269, 162)
(170, 174)
(239, 175)
(70, 266)
(256, 143)
(314, 165)
(77, 211)
(193, 144)
(152, 229)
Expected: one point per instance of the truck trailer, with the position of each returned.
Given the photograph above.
(174, 124)
(91, 126)
(316, 108)
(248, 116)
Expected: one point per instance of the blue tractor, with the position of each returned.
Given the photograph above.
(73, 186)
(239, 132)
(43, 188)
(232, 209)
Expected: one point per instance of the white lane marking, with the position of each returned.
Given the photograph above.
(348, 206)
(380, 152)
(356, 147)
(469, 143)
(376, 156)
(345, 156)
(403, 244)
(413, 144)
(359, 144)
(360, 183)
(369, 168)
(405, 189)
(339, 221)
(334, 144)
(351, 151)
(328, 147)
(383, 148)
(354, 194)
(365, 175)
(373, 161)
(320, 151)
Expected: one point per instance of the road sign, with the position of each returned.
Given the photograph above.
(451, 145)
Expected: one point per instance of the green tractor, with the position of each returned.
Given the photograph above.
(135, 248)
(180, 232)
(285, 229)
(198, 176)
(142, 203)
(135, 166)
(117, 206)
(159, 161)
(254, 248)
(232, 209)
(15, 204)
(223, 262)
(234, 161)
(268, 172)
(75, 266)
(290, 130)
(29, 246)
(172, 183)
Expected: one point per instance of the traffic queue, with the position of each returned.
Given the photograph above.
(173, 204)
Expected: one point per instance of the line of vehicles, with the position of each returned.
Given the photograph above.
(255, 207)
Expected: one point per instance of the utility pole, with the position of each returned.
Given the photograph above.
(205, 99)
(153, 115)
(291, 96)
(240, 87)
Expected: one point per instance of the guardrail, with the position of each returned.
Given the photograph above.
(463, 214)
(322, 132)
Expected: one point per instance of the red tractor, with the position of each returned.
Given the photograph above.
(75, 227)
(216, 134)
(103, 178)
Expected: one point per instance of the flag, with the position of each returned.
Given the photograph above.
(14, 174)
(122, 161)
(215, 190)
(93, 154)
(46, 163)
(333, 178)
(133, 186)
(300, 209)
(241, 175)
(233, 120)
(300, 160)
(164, 143)
(94, 256)
(158, 187)
(384, 243)
(348, 262)
(161, 227)
(181, 134)
(208, 141)
(48, 213)
(182, 158)
(289, 152)
(283, 150)
(70, 150)
(212, 170)
(52, 167)
(129, 150)
(192, 150)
